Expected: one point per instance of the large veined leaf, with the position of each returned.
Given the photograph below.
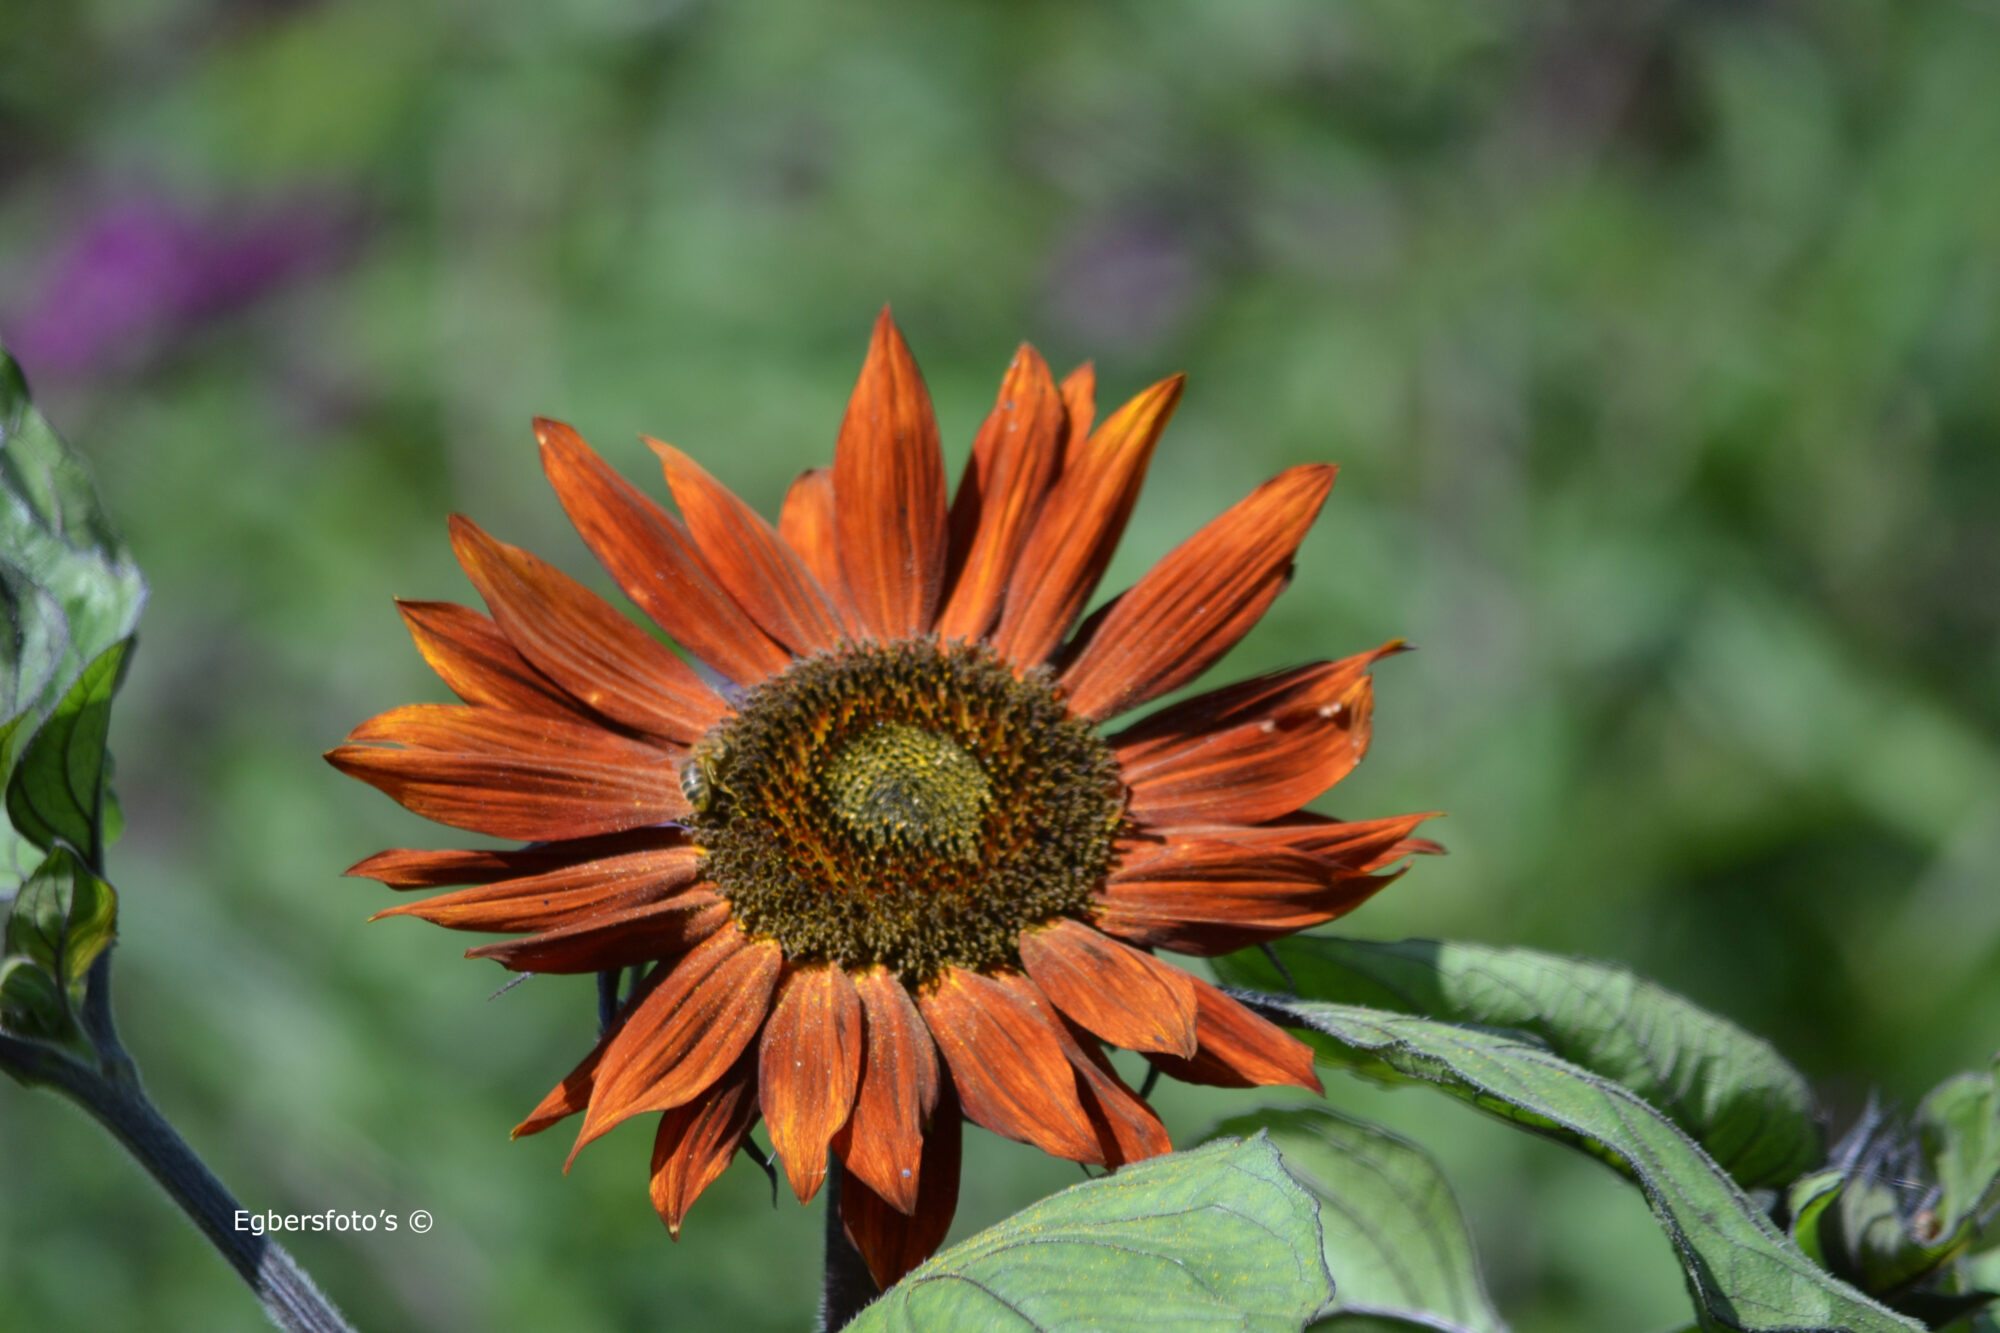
(1219, 1238)
(69, 591)
(1742, 1273)
(1393, 1236)
(1731, 1091)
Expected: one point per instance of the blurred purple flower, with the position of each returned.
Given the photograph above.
(1124, 282)
(145, 269)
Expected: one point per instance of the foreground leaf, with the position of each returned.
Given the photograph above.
(1216, 1238)
(1393, 1236)
(1731, 1091)
(1741, 1272)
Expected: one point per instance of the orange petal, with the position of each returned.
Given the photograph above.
(1193, 606)
(1127, 1129)
(696, 1141)
(888, 479)
(575, 638)
(892, 1241)
(997, 1033)
(807, 1068)
(883, 1141)
(806, 524)
(1209, 897)
(1129, 998)
(1079, 527)
(573, 1093)
(539, 902)
(1079, 395)
(1014, 460)
(1170, 730)
(1240, 1050)
(567, 1097)
(514, 775)
(683, 1036)
(1250, 752)
(651, 557)
(619, 937)
(474, 658)
(1351, 845)
(752, 561)
(410, 868)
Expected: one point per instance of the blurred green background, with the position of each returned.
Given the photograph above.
(1657, 342)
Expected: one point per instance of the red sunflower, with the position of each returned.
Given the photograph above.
(879, 868)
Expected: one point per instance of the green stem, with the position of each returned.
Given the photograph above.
(111, 1092)
(846, 1287)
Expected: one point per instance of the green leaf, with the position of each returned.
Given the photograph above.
(33, 638)
(1863, 1236)
(1357, 1321)
(62, 918)
(53, 528)
(1742, 1273)
(1731, 1091)
(31, 1003)
(1807, 1203)
(1958, 1123)
(1393, 1236)
(1980, 1272)
(57, 791)
(57, 925)
(68, 588)
(1217, 1238)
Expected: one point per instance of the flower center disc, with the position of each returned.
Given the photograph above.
(900, 784)
(910, 803)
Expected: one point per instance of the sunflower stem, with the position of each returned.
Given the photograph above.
(846, 1287)
(110, 1090)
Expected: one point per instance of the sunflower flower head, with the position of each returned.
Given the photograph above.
(891, 873)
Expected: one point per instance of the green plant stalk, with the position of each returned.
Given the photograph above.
(846, 1286)
(111, 1092)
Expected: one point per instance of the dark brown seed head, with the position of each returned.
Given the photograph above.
(909, 803)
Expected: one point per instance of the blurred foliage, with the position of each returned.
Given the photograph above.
(1656, 341)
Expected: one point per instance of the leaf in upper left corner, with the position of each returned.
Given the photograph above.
(69, 590)
(53, 528)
